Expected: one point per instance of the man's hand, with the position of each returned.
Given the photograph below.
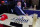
(26, 14)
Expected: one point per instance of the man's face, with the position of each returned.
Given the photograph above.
(19, 4)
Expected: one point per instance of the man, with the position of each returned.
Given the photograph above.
(18, 9)
(22, 1)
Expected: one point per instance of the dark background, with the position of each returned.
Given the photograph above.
(11, 4)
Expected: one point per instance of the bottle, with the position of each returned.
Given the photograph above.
(34, 20)
(34, 7)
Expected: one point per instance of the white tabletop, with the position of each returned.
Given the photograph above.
(11, 16)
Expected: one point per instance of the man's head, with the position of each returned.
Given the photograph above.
(18, 3)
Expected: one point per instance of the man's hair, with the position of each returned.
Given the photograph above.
(18, 1)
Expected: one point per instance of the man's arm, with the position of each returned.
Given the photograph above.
(18, 11)
(22, 11)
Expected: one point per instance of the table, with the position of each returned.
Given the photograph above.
(29, 12)
(10, 16)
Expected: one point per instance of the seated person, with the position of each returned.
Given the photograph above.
(18, 9)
